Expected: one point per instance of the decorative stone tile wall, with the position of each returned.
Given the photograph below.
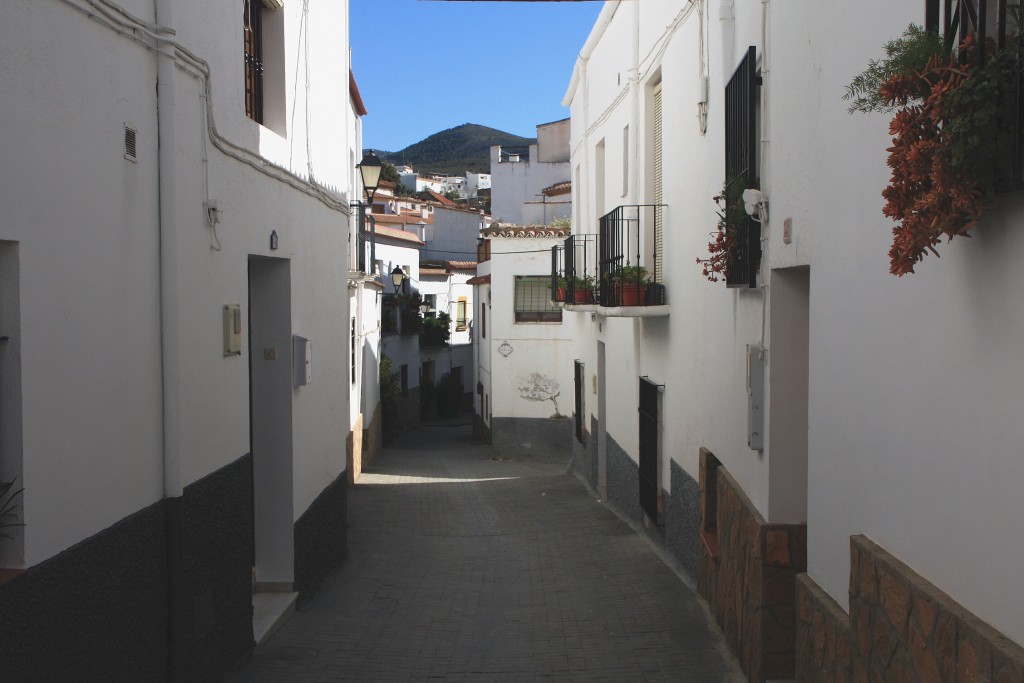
(747, 572)
(682, 518)
(822, 636)
(905, 629)
(623, 483)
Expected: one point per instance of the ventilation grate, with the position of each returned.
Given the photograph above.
(129, 143)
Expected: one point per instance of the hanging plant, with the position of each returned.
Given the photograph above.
(725, 242)
(950, 119)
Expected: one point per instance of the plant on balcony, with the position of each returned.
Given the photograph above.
(9, 507)
(437, 331)
(630, 284)
(952, 121)
(724, 244)
(561, 284)
(583, 289)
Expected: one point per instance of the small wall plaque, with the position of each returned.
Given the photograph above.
(273, 240)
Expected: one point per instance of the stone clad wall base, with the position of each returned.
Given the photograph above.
(526, 437)
(584, 455)
(623, 484)
(822, 636)
(682, 519)
(747, 572)
(904, 628)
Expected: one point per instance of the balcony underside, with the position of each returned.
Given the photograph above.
(658, 311)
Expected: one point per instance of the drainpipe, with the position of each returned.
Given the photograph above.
(169, 341)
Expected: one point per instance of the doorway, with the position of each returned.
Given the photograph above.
(788, 398)
(270, 423)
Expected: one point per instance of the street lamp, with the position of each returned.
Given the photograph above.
(397, 277)
(369, 169)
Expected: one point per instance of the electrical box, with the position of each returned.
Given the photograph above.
(755, 396)
(232, 330)
(302, 361)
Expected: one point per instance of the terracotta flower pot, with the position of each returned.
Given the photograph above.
(631, 294)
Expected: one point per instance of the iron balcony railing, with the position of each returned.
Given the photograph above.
(992, 24)
(629, 256)
(574, 270)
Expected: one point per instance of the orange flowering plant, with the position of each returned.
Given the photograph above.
(725, 240)
(952, 121)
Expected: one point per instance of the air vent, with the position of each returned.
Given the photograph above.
(129, 143)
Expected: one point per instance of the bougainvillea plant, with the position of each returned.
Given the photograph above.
(724, 240)
(950, 119)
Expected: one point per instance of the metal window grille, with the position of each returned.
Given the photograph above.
(252, 28)
(649, 448)
(741, 160)
(354, 340)
(533, 300)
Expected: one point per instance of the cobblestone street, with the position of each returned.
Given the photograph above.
(464, 565)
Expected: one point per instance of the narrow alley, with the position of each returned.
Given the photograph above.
(465, 565)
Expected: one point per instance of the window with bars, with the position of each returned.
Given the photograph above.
(741, 107)
(659, 194)
(533, 300)
(252, 31)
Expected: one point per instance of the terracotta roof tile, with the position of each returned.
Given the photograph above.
(524, 231)
(564, 187)
(394, 233)
(462, 265)
(479, 280)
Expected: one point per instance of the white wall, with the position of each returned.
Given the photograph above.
(513, 183)
(453, 235)
(536, 348)
(87, 226)
(913, 382)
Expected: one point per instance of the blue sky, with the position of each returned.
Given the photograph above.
(426, 66)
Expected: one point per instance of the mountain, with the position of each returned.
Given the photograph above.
(456, 150)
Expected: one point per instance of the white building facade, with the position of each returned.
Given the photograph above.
(519, 175)
(174, 315)
(807, 402)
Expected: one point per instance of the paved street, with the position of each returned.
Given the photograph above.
(464, 565)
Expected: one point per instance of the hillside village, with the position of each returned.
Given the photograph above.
(712, 295)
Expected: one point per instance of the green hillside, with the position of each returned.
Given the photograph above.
(456, 150)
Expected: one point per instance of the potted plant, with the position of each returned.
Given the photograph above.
(725, 240)
(953, 121)
(631, 285)
(561, 284)
(583, 289)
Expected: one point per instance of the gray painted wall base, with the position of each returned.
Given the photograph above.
(525, 437)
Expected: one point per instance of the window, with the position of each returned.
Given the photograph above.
(252, 27)
(741, 107)
(353, 350)
(625, 160)
(263, 51)
(460, 315)
(533, 300)
(483, 320)
(405, 380)
(659, 194)
(431, 301)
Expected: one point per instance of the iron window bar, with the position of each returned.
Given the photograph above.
(741, 95)
(252, 39)
(366, 239)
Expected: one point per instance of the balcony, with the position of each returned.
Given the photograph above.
(616, 273)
